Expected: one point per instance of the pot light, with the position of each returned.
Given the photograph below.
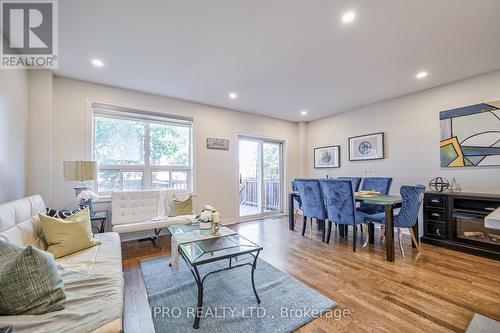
(97, 63)
(303, 113)
(233, 95)
(421, 75)
(348, 17)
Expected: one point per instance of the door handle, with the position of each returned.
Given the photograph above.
(438, 232)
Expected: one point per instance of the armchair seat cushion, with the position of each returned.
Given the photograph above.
(153, 224)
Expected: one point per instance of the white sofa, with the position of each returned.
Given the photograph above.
(134, 211)
(93, 278)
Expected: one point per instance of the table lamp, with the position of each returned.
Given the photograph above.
(80, 171)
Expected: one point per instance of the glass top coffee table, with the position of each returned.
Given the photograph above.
(205, 251)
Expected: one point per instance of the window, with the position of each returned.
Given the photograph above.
(139, 151)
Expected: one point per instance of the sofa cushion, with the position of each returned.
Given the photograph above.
(153, 224)
(104, 259)
(70, 235)
(178, 207)
(30, 284)
(94, 303)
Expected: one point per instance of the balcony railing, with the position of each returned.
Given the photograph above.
(249, 193)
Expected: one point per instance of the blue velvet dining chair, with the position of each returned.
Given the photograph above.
(340, 206)
(297, 199)
(356, 181)
(379, 184)
(313, 205)
(407, 216)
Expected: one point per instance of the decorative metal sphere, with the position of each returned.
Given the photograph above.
(439, 184)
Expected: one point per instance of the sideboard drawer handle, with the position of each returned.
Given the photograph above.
(435, 214)
(435, 201)
(490, 209)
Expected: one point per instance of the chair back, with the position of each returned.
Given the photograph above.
(295, 189)
(356, 181)
(379, 184)
(339, 199)
(311, 197)
(412, 200)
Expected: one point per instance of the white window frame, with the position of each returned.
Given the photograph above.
(115, 112)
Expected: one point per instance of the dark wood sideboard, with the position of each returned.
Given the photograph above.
(455, 220)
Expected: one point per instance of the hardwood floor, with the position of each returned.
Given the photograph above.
(436, 290)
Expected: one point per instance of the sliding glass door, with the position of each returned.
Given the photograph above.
(260, 176)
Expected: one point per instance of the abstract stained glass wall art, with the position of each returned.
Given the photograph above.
(470, 136)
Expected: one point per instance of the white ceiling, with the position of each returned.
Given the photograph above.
(280, 56)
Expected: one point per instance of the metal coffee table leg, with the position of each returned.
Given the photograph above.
(254, 266)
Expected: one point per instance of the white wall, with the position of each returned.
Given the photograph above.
(39, 138)
(411, 127)
(216, 171)
(13, 124)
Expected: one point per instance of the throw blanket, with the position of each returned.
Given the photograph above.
(192, 236)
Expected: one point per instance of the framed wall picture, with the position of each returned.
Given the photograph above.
(327, 157)
(366, 147)
(217, 144)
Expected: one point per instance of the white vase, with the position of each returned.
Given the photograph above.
(205, 228)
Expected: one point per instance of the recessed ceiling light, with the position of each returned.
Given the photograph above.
(233, 95)
(303, 113)
(348, 17)
(97, 63)
(421, 75)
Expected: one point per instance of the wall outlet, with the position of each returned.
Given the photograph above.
(368, 169)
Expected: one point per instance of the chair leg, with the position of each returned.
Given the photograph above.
(414, 238)
(329, 232)
(382, 232)
(304, 224)
(157, 238)
(400, 243)
(367, 236)
(323, 235)
(353, 237)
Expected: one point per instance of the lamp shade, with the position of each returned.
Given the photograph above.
(80, 170)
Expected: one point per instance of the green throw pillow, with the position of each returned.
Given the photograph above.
(178, 208)
(30, 284)
(69, 235)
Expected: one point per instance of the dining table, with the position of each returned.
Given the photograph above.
(389, 202)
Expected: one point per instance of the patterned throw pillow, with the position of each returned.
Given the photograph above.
(30, 283)
(60, 214)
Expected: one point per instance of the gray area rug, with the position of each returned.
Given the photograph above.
(482, 324)
(229, 302)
